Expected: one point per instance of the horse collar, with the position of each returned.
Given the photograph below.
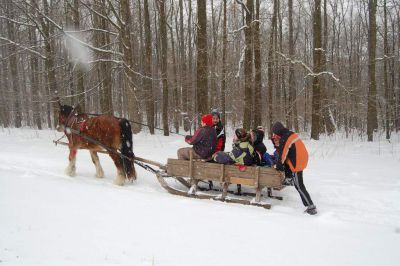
(82, 126)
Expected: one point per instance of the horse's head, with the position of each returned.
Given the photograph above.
(63, 116)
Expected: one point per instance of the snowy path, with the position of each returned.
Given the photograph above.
(48, 218)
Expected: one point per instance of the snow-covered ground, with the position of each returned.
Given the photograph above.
(48, 218)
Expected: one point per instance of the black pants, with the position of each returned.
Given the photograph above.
(299, 185)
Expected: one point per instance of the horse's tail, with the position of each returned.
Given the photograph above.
(126, 149)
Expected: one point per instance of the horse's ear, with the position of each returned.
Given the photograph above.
(57, 99)
(78, 109)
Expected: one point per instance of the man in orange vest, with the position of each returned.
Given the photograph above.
(293, 159)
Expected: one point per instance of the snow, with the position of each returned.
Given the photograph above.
(49, 218)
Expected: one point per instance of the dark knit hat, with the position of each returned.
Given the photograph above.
(215, 113)
(277, 128)
(207, 119)
(258, 134)
(241, 134)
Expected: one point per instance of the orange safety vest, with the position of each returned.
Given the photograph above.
(301, 157)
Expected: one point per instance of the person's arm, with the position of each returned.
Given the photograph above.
(198, 135)
(279, 164)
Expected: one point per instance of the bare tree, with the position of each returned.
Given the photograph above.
(257, 67)
(148, 88)
(12, 35)
(372, 119)
(317, 56)
(293, 119)
(164, 63)
(248, 67)
(202, 65)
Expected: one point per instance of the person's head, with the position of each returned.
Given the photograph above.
(257, 135)
(276, 133)
(277, 128)
(241, 134)
(207, 120)
(216, 116)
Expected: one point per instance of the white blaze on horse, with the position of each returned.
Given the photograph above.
(97, 134)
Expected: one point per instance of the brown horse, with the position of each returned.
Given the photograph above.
(97, 134)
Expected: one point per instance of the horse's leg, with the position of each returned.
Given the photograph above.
(120, 179)
(71, 169)
(96, 161)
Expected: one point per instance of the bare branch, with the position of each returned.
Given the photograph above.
(17, 22)
(23, 47)
(244, 6)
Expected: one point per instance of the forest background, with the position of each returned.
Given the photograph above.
(319, 66)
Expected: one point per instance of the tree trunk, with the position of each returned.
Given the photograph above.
(330, 127)
(102, 40)
(202, 65)
(317, 67)
(257, 68)
(271, 63)
(223, 82)
(13, 61)
(148, 86)
(293, 119)
(175, 106)
(385, 71)
(4, 91)
(34, 76)
(49, 45)
(248, 68)
(164, 65)
(129, 65)
(372, 118)
(79, 73)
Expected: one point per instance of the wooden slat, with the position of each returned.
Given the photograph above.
(242, 181)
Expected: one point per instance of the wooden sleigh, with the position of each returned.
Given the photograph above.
(190, 172)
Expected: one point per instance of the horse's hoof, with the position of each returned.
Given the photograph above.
(119, 182)
(100, 175)
(70, 172)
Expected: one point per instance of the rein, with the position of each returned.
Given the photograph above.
(172, 132)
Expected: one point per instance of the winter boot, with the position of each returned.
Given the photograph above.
(311, 210)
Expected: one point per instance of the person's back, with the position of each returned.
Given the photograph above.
(257, 137)
(204, 141)
(242, 151)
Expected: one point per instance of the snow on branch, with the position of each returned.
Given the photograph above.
(17, 22)
(73, 37)
(311, 73)
(92, 29)
(240, 29)
(244, 27)
(23, 47)
(385, 57)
